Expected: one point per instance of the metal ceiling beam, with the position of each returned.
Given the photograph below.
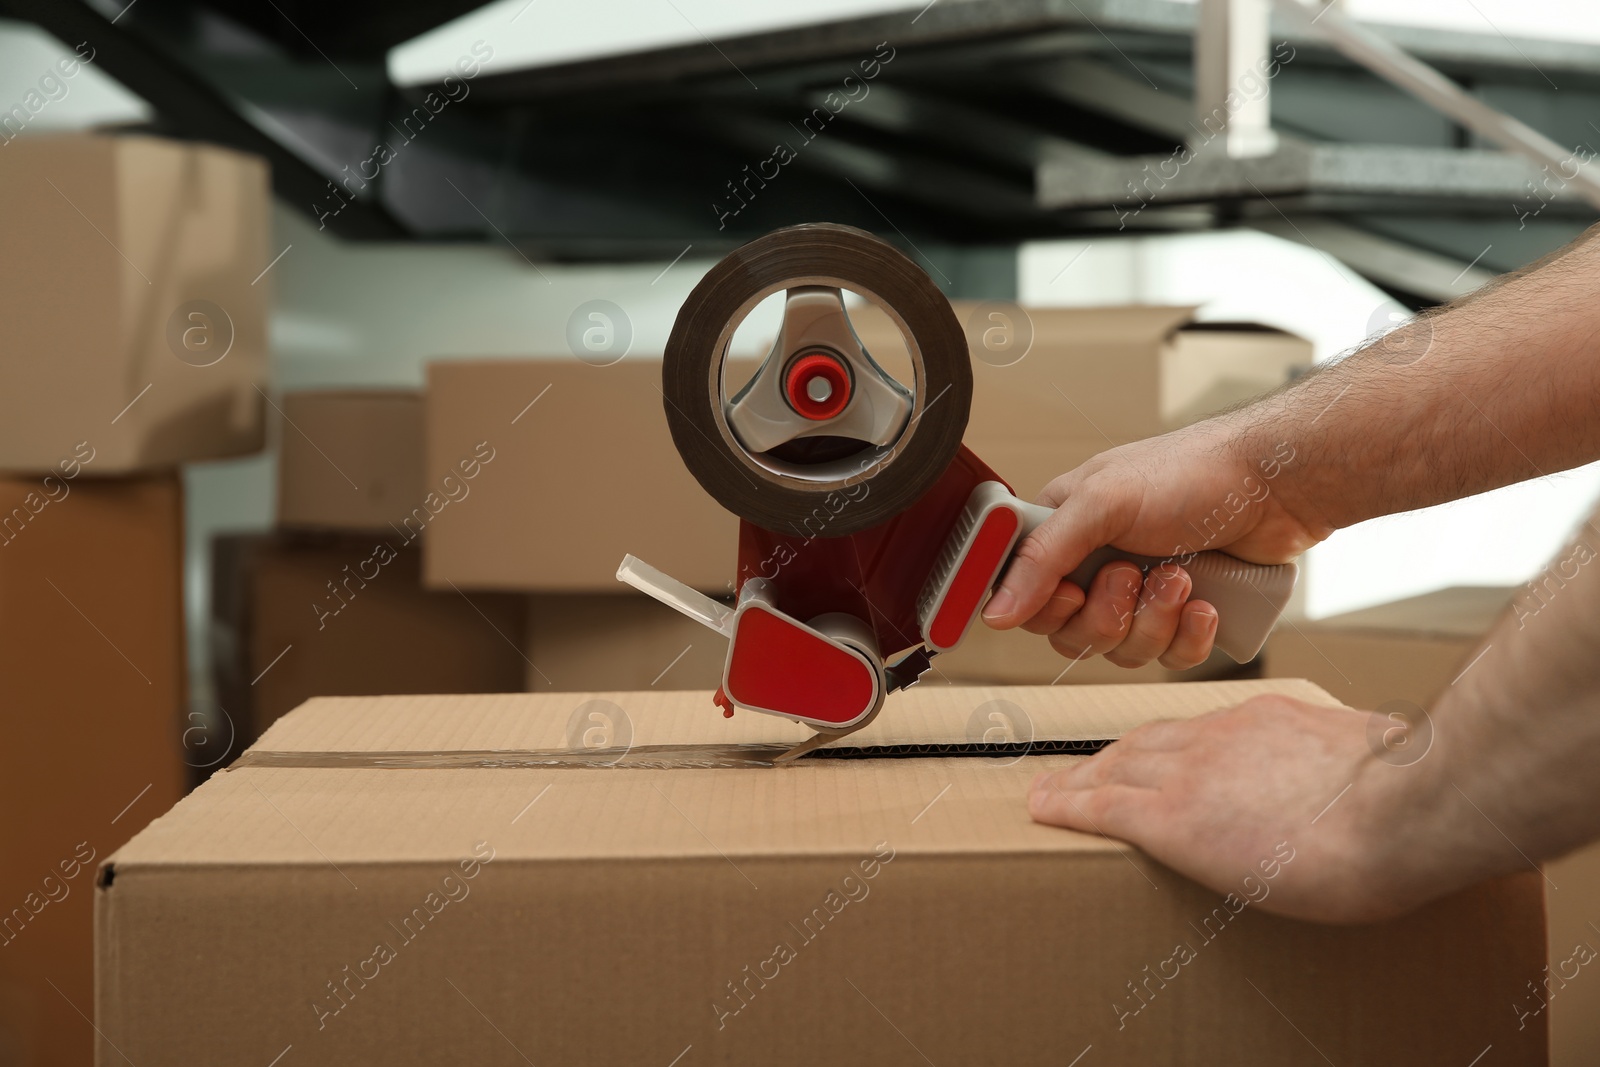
(1405, 71)
(903, 111)
(195, 108)
(940, 185)
(1382, 259)
(984, 32)
(1462, 180)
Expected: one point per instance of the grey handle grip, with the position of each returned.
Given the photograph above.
(1249, 597)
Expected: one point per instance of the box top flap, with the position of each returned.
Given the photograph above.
(344, 817)
(1458, 611)
(1099, 324)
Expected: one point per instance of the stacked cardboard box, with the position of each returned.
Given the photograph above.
(91, 657)
(1408, 650)
(135, 341)
(1412, 651)
(297, 615)
(624, 640)
(583, 471)
(1054, 386)
(350, 459)
(134, 316)
(331, 602)
(577, 469)
(418, 880)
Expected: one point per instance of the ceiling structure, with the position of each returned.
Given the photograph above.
(976, 124)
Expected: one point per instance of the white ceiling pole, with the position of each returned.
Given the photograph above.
(1401, 69)
(1232, 89)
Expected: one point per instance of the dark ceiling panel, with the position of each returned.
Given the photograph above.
(632, 155)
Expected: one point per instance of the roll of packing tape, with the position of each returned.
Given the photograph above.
(879, 482)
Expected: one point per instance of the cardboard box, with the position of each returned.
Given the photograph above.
(409, 880)
(583, 641)
(575, 468)
(1572, 909)
(92, 665)
(1408, 650)
(350, 460)
(1207, 367)
(1413, 650)
(300, 615)
(586, 470)
(135, 321)
(1053, 386)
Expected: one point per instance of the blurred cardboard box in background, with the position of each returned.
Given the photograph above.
(128, 286)
(582, 641)
(1054, 386)
(1407, 650)
(576, 470)
(92, 663)
(299, 615)
(350, 459)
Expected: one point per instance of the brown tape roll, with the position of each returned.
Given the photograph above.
(885, 481)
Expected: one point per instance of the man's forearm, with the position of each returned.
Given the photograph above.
(1519, 730)
(1500, 387)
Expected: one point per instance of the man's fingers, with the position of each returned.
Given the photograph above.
(1040, 561)
(1062, 605)
(1113, 810)
(1155, 623)
(1103, 622)
(1191, 645)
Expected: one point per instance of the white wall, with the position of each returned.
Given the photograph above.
(1501, 537)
